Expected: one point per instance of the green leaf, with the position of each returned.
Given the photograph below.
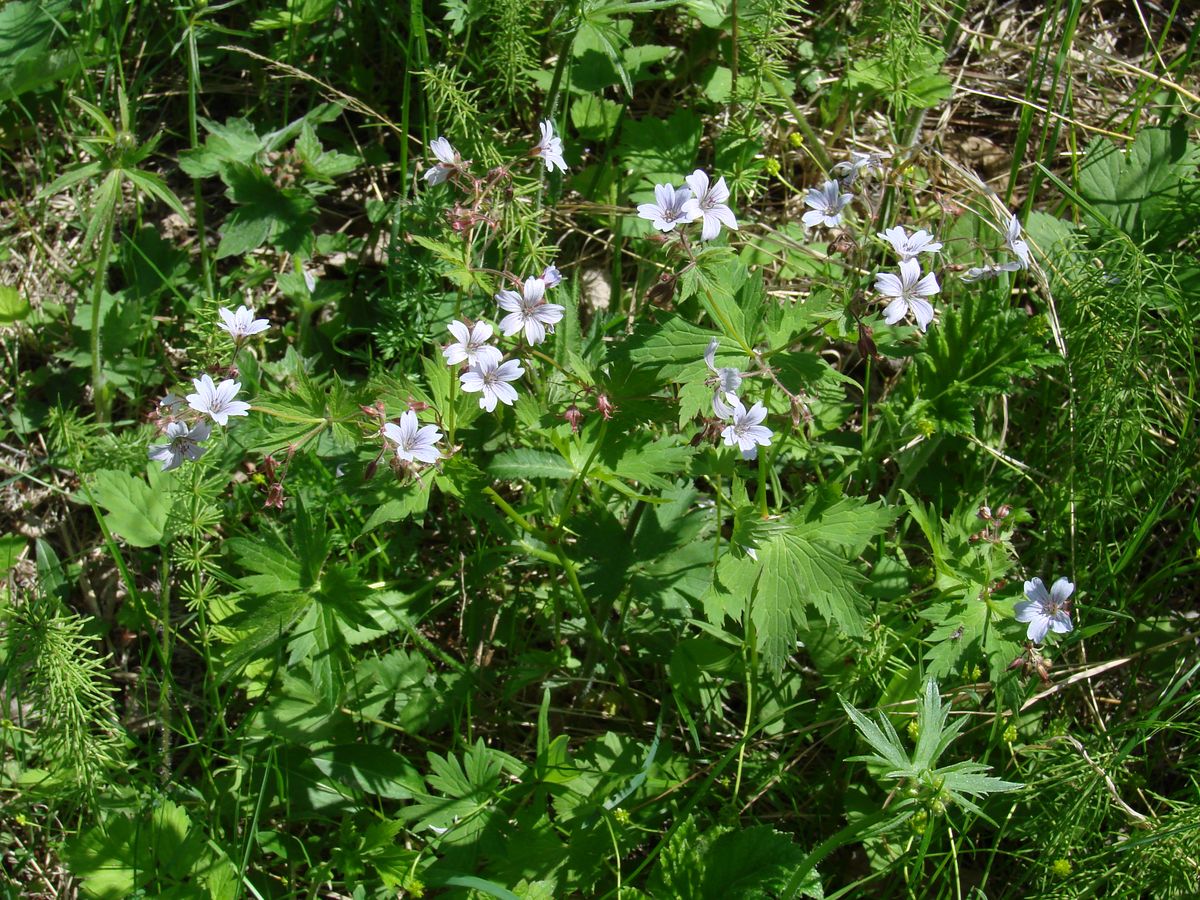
(13, 306)
(371, 769)
(528, 464)
(752, 863)
(136, 511)
(1140, 190)
(661, 149)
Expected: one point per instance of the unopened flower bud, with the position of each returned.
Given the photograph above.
(772, 166)
(573, 415)
(796, 139)
(985, 513)
(866, 342)
(1004, 512)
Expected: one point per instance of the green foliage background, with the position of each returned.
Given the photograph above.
(616, 660)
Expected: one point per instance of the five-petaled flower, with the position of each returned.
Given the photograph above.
(908, 292)
(1012, 237)
(550, 148)
(671, 207)
(529, 310)
(827, 203)
(182, 443)
(729, 379)
(1046, 610)
(414, 441)
(448, 161)
(217, 400)
(490, 381)
(745, 431)
(907, 246)
(470, 344)
(241, 324)
(708, 203)
(858, 163)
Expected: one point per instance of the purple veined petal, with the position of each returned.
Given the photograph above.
(1025, 610)
(1036, 591)
(535, 331)
(471, 381)
(719, 192)
(725, 216)
(755, 414)
(649, 211)
(549, 313)
(487, 399)
(812, 218)
(534, 291)
(760, 434)
(393, 432)
(910, 273)
(511, 324)
(711, 227)
(505, 393)
(1061, 591)
(710, 354)
(922, 311)
(721, 409)
(895, 311)
(729, 435)
(1038, 626)
(888, 285)
(509, 301)
(1060, 622)
(750, 452)
(927, 286)
(459, 331)
(510, 370)
(664, 196)
(489, 355)
(697, 182)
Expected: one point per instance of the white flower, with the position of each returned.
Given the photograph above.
(217, 400)
(991, 270)
(470, 344)
(827, 203)
(671, 207)
(550, 148)
(529, 310)
(1045, 610)
(181, 444)
(907, 246)
(859, 163)
(491, 379)
(746, 431)
(1019, 248)
(448, 161)
(413, 441)
(552, 276)
(729, 379)
(241, 324)
(908, 291)
(708, 203)
(310, 280)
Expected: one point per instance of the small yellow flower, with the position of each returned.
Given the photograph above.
(1061, 867)
(796, 139)
(772, 167)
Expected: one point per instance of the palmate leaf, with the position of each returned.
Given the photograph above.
(722, 862)
(802, 566)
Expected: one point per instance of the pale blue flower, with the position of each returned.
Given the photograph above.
(1044, 610)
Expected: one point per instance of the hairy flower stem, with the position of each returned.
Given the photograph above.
(99, 398)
